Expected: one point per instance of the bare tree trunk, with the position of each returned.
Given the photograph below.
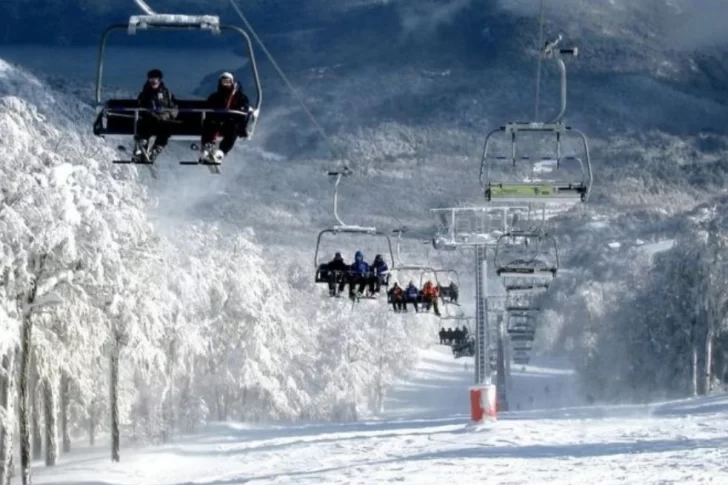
(65, 405)
(92, 423)
(170, 418)
(4, 394)
(694, 362)
(7, 417)
(708, 360)
(26, 345)
(36, 439)
(219, 404)
(114, 402)
(381, 342)
(51, 422)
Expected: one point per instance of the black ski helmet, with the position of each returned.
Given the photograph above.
(154, 73)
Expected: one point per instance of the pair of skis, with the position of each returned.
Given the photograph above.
(214, 168)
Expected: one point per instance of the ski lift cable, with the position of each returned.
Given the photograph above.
(144, 7)
(149, 11)
(283, 76)
(539, 62)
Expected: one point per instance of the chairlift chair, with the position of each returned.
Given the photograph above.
(466, 348)
(322, 274)
(459, 318)
(522, 335)
(534, 287)
(472, 226)
(119, 118)
(521, 358)
(400, 268)
(521, 304)
(522, 309)
(545, 263)
(521, 326)
(521, 347)
(504, 148)
(447, 294)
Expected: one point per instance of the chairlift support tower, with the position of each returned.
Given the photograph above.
(497, 221)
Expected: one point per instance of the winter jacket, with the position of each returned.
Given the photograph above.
(156, 100)
(360, 267)
(412, 292)
(380, 267)
(429, 290)
(225, 99)
(397, 293)
(337, 265)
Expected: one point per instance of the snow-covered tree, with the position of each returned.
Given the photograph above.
(141, 331)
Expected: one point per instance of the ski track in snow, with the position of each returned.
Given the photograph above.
(423, 437)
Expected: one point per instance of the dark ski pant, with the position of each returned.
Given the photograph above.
(336, 278)
(226, 126)
(149, 126)
(431, 301)
(412, 300)
(377, 282)
(398, 305)
(358, 279)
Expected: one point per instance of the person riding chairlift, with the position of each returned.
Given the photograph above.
(160, 103)
(412, 294)
(360, 274)
(380, 269)
(228, 96)
(396, 298)
(338, 272)
(429, 297)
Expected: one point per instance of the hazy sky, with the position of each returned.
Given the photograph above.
(687, 23)
(704, 23)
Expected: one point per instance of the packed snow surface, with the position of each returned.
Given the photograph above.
(424, 438)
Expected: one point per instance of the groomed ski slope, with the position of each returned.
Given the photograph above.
(423, 439)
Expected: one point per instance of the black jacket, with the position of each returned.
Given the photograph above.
(337, 265)
(156, 99)
(221, 99)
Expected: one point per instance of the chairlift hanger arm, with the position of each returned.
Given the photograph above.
(484, 166)
(550, 51)
(399, 232)
(590, 175)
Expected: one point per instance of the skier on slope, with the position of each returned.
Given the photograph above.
(228, 96)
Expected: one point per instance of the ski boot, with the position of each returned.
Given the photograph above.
(138, 154)
(154, 153)
(207, 156)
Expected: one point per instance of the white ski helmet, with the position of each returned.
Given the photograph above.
(226, 75)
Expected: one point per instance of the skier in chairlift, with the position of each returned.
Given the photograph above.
(338, 272)
(380, 272)
(161, 105)
(360, 275)
(228, 96)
